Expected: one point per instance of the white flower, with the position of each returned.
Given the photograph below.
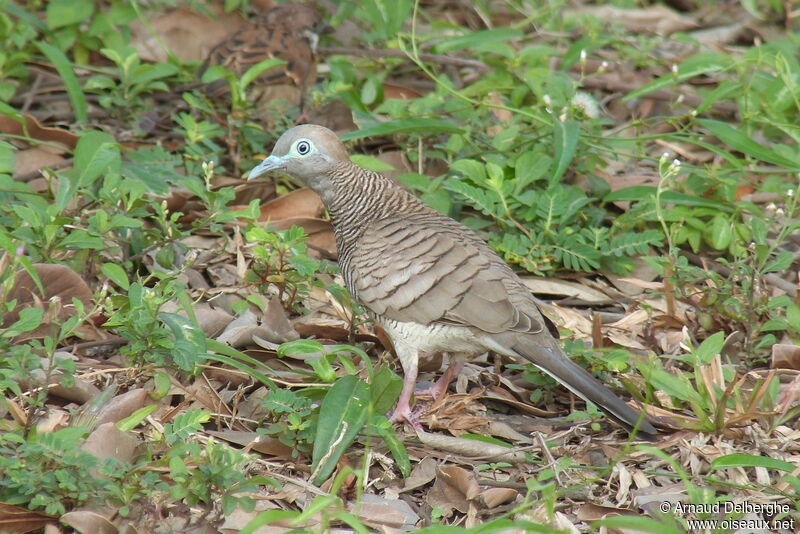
(586, 104)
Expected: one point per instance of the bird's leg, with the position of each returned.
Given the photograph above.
(408, 359)
(453, 368)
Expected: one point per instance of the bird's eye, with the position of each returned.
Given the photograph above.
(303, 148)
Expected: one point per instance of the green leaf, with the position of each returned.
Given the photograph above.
(96, 152)
(341, 416)
(648, 192)
(710, 347)
(133, 420)
(743, 143)
(116, 274)
(749, 460)
(695, 65)
(29, 319)
(62, 13)
(720, 232)
(258, 69)
(384, 389)
(371, 163)
(565, 139)
(405, 126)
(64, 68)
(383, 427)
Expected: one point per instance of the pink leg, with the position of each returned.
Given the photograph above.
(402, 411)
(409, 358)
(455, 366)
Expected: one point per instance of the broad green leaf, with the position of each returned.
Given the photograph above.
(29, 319)
(405, 126)
(384, 389)
(65, 72)
(710, 347)
(739, 141)
(62, 13)
(116, 274)
(341, 416)
(648, 192)
(371, 163)
(695, 65)
(720, 232)
(565, 139)
(133, 420)
(749, 460)
(258, 69)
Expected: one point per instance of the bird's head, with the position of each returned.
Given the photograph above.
(307, 152)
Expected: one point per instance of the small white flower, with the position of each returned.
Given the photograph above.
(604, 65)
(790, 193)
(563, 116)
(547, 101)
(583, 56)
(674, 69)
(779, 212)
(586, 104)
(676, 162)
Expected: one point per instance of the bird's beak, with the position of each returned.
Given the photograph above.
(270, 163)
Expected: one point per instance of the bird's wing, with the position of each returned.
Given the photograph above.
(425, 269)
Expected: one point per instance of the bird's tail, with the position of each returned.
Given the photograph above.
(583, 384)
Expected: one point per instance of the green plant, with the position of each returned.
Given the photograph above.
(281, 260)
(131, 80)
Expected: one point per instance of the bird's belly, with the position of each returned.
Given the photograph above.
(434, 337)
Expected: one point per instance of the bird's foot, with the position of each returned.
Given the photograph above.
(404, 413)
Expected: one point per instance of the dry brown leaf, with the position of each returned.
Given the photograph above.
(107, 441)
(785, 356)
(499, 394)
(31, 127)
(493, 497)
(470, 447)
(654, 19)
(58, 281)
(36, 158)
(301, 203)
(188, 35)
(380, 512)
(18, 519)
(423, 472)
(563, 288)
(121, 406)
(88, 522)
(453, 489)
(211, 320)
(266, 445)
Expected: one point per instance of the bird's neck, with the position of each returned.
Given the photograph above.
(358, 197)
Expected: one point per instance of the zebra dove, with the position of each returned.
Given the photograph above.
(289, 32)
(431, 283)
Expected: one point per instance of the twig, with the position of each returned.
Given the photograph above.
(434, 58)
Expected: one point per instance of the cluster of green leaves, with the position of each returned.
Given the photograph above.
(50, 471)
(281, 260)
(326, 420)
